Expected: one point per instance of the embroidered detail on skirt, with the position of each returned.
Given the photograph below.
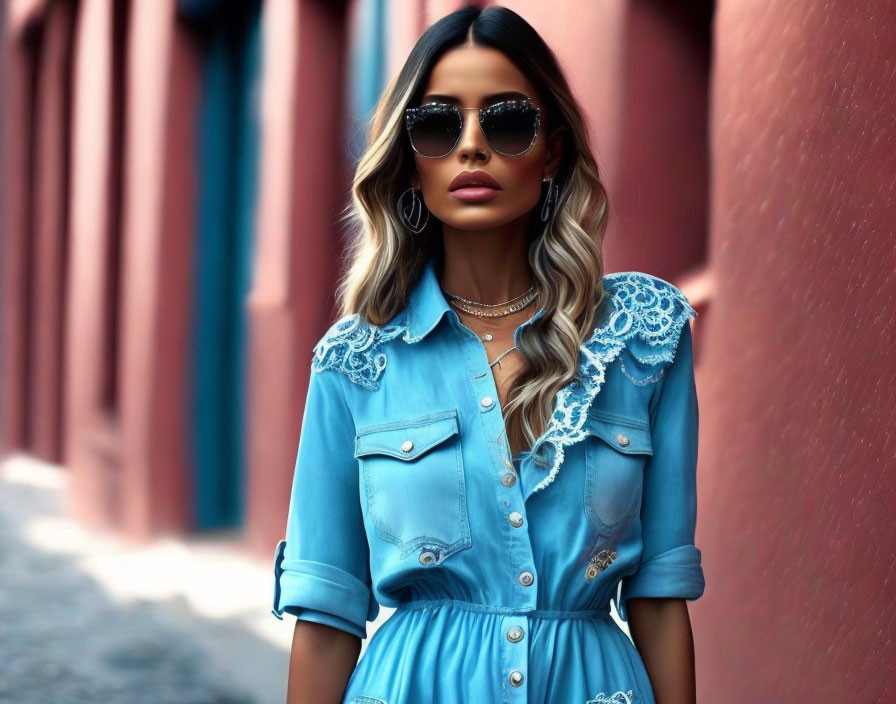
(618, 697)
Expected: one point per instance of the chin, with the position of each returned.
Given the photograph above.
(478, 217)
(473, 224)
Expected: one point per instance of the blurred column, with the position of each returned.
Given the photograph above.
(51, 123)
(660, 211)
(92, 440)
(304, 181)
(131, 285)
(35, 118)
(19, 59)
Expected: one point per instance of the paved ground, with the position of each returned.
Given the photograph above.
(85, 618)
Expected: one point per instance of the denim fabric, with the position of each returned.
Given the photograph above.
(501, 568)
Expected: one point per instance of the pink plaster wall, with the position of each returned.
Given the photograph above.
(304, 181)
(659, 198)
(798, 395)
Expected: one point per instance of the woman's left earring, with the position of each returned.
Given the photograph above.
(550, 200)
(413, 215)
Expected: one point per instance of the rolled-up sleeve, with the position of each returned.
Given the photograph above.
(670, 564)
(321, 568)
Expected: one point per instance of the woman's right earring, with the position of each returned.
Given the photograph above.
(547, 208)
(411, 214)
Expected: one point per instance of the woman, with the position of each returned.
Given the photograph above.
(497, 437)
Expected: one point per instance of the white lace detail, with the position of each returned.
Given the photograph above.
(618, 697)
(646, 315)
(351, 346)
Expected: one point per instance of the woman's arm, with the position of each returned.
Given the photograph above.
(661, 630)
(652, 600)
(320, 664)
(321, 568)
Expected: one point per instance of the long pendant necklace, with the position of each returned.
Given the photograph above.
(500, 356)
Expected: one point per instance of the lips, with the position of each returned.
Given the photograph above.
(468, 179)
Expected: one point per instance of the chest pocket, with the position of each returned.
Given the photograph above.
(615, 455)
(413, 476)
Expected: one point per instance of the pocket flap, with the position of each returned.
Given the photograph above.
(628, 435)
(407, 440)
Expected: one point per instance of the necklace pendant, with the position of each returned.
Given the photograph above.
(487, 337)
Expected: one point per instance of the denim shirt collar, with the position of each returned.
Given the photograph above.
(427, 304)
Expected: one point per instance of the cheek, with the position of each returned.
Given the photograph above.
(521, 189)
(524, 182)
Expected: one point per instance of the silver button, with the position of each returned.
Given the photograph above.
(508, 479)
(526, 578)
(486, 401)
(622, 439)
(515, 634)
(407, 446)
(516, 519)
(426, 557)
(516, 678)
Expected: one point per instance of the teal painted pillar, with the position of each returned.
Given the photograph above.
(227, 174)
(367, 73)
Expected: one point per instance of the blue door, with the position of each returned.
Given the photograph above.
(227, 156)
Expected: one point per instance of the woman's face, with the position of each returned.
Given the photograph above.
(473, 77)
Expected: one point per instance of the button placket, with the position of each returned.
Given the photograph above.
(508, 479)
(515, 652)
(519, 550)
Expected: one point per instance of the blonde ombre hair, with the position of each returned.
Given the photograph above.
(384, 261)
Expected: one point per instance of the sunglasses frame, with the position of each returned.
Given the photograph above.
(411, 113)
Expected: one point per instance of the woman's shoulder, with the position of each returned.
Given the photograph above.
(644, 314)
(641, 282)
(353, 345)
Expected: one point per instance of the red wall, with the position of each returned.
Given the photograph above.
(797, 389)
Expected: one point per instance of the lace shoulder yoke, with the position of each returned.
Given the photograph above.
(642, 313)
(351, 346)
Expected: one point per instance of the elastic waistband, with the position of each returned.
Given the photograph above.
(420, 604)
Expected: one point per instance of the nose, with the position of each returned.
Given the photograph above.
(472, 141)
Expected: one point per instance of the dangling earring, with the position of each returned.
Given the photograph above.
(547, 208)
(411, 213)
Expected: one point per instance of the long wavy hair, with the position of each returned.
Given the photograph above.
(384, 261)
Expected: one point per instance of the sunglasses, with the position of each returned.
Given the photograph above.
(510, 127)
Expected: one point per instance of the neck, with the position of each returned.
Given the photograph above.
(487, 270)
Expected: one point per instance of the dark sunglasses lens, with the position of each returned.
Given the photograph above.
(434, 130)
(510, 127)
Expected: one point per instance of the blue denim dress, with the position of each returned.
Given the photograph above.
(501, 568)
